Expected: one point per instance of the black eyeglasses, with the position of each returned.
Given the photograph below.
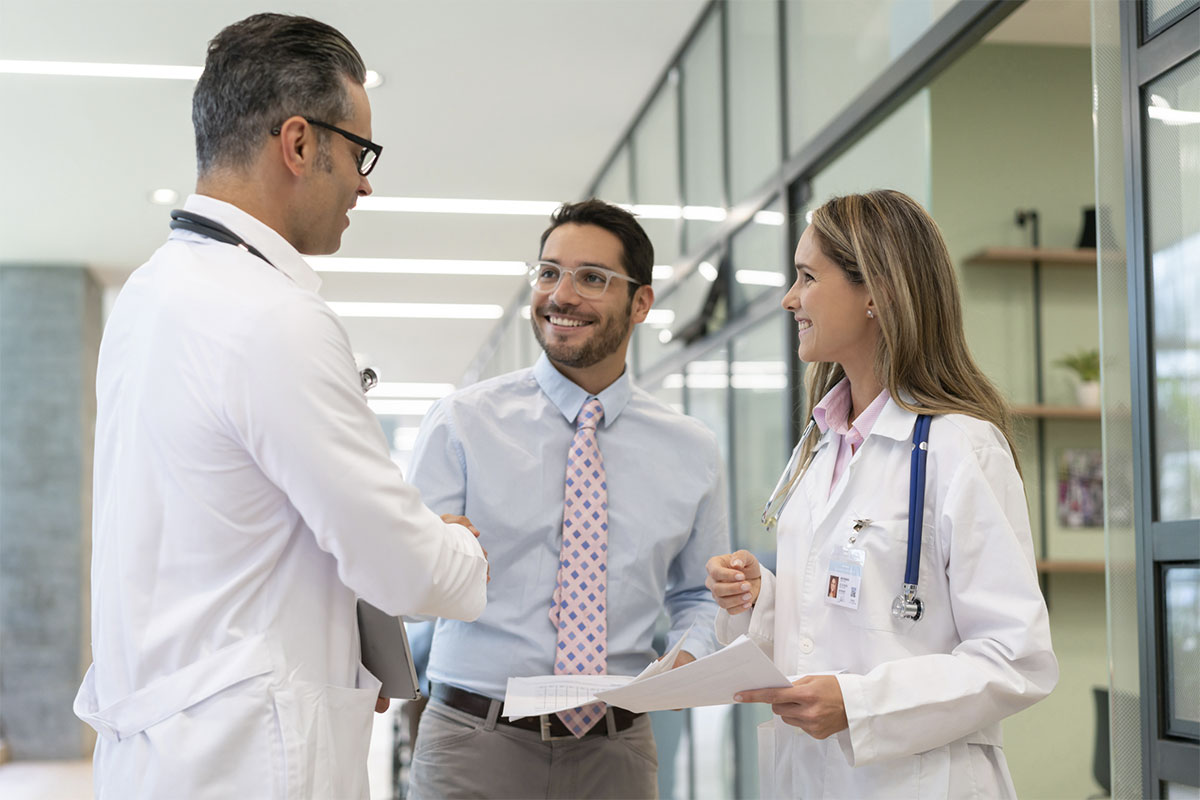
(367, 159)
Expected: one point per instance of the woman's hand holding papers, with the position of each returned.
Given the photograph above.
(734, 580)
(813, 704)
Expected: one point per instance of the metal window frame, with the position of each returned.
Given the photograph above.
(1165, 756)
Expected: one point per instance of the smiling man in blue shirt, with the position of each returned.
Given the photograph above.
(602, 506)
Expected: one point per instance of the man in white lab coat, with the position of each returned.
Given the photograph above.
(244, 495)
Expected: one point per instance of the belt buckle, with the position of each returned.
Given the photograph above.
(544, 719)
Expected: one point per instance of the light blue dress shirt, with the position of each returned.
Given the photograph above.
(497, 452)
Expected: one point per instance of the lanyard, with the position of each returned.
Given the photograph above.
(906, 605)
(194, 223)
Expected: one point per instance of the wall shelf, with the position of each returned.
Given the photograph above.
(1056, 412)
(1083, 257)
(1078, 567)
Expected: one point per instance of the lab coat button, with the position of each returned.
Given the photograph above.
(806, 645)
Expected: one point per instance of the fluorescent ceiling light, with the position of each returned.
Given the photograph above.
(416, 266)
(83, 69)
(164, 197)
(769, 217)
(708, 271)
(400, 408)
(410, 390)
(449, 205)
(92, 69)
(418, 310)
(651, 211)
(536, 208)
(759, 277)
(526, 313)
(664, 335)
(663, 272)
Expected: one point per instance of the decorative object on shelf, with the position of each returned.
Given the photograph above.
(1086, 366)
(1081, 489)
(1087, 234)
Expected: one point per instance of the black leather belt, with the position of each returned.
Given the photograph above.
(549, 725)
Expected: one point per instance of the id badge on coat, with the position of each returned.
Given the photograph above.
(844, 581)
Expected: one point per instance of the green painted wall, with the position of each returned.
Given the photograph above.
(1011, 128)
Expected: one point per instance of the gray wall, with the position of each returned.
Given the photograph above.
(49, 340)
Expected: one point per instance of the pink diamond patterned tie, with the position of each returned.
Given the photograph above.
(581, 597)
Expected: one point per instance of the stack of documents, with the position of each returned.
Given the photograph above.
(709, 681)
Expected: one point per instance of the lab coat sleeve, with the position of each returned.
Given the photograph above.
(295, 402)
(1003, 663)
(759, 624)
(688, 601)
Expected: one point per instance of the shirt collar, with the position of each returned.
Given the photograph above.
(834, 411)
(278, 251)
(568, 397)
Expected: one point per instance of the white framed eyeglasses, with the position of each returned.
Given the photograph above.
(590, 281)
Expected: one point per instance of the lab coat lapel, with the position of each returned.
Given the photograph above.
(816, 481)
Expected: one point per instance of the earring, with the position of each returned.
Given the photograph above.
(870, 314)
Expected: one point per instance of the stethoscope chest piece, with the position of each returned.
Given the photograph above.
(907, 605)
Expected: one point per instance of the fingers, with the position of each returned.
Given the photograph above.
(733, 580)
(457, 519)
(381, 704)
(745, 562)
(757, 696)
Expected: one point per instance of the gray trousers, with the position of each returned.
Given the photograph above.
(461, 756)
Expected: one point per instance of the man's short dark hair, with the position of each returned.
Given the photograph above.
(259, 72)
(637, 253)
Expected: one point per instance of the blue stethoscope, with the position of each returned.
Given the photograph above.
(906, 605)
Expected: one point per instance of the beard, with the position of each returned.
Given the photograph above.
(607, 336)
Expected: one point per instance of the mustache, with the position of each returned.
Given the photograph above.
(550, 307)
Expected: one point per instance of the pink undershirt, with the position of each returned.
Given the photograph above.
(834, 411)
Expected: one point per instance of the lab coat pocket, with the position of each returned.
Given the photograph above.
(885, 546)
(337, 735)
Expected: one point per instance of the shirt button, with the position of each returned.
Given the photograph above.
(806, 645)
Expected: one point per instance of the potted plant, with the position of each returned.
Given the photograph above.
(1086, 366)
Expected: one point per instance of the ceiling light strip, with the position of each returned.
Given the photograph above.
(417, 310)
(84, 69)
(416, 266)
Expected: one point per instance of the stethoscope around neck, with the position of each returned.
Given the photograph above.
(906, 605)
(182, 220)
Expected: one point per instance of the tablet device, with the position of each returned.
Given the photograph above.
(385, 652)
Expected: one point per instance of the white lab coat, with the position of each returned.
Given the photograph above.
(243, 497)
(924, 699)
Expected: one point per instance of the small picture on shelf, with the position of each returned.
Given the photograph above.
(1081, 489)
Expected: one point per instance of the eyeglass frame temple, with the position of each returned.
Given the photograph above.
(365, 144)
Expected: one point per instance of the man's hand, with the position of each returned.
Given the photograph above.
(734, 580)
(684, 657)
(813, 704)
(381, 704)
(455, 519)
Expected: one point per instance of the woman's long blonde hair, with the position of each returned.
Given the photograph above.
(886, 240)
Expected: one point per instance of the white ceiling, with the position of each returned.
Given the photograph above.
(492, 99)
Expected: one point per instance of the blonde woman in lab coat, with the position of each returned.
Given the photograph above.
(914, 708)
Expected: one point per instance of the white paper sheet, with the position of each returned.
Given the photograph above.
(709, 681)
(532, 697)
